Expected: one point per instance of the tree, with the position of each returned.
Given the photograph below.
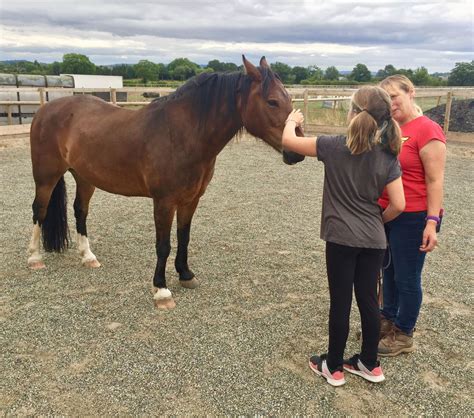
(421, 77)
(216, 65)
(163, 71)
(186, 68)
(360, 73)
(386, 72)
(315, 73)
(183, 72)
(103, 70)
(230, 66)
(146, 70)
(407, 73)
(77, 64)
(283, 70)
(331, 73)
(462, 74)
(204, 70)
(127, 71)
(54, 68)
(299, 74)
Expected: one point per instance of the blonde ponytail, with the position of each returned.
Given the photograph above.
(361, 133)
(372, 123)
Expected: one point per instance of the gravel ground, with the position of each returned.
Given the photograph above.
(89, 342)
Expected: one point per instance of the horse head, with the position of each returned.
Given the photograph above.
(265, 107)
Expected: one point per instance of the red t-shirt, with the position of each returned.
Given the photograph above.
(415, 135)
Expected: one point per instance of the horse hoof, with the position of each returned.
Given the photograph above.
(166, 303)
(36, 265)
(189, 284)
(91, 264)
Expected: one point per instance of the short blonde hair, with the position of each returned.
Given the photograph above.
(373, 122)
(403, 83)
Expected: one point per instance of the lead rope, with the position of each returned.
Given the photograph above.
(379, 289)
(380, 278)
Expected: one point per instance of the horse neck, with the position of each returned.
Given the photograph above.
(219, 130)
(210, 120)
(221, 123)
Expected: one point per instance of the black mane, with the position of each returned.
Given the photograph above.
(211, 93)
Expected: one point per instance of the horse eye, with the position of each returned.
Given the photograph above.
(272, 103)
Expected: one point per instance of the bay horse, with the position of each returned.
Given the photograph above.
(166, 150)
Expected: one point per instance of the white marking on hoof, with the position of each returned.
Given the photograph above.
(35, 261)
(163, 299)
(88, 258)
(162, 293)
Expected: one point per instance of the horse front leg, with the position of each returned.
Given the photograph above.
(184, 218)
(163, 214)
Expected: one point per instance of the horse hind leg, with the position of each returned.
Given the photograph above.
(35, 260)
(84, 192)
(49, 220)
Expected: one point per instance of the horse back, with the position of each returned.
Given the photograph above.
(101, 142)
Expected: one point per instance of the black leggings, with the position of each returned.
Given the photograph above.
(349, 267)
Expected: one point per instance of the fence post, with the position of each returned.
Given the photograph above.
(305, 108)
(9, 112)
(41, 96)
(113, 95)
(447, 114)
(439, 100)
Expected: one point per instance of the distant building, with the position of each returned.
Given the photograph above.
(24, 113)
(96, 81)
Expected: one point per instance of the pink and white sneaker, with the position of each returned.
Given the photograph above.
(318, 364)
(355, 366)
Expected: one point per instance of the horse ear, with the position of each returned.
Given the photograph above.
(263, 63)
(251, 70)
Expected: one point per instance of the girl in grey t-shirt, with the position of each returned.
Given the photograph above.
(357, 167)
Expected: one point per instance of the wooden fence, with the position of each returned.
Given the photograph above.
(300, 95)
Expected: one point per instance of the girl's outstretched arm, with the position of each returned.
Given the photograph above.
(301, 144)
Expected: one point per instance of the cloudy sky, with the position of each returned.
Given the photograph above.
(407, 34)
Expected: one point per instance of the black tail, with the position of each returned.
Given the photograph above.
(54, 227)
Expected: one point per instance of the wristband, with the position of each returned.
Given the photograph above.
(433, 218)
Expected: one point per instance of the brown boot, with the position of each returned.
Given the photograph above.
(385, 327)
(395, 343)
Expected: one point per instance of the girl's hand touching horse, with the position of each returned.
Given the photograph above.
(295, 116)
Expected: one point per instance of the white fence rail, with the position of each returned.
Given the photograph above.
(18, 105)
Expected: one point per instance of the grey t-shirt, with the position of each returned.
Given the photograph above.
(352, 185)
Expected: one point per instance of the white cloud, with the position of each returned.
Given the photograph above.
(434, 34)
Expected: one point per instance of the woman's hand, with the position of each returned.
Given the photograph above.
(430, 238)
(295, 116)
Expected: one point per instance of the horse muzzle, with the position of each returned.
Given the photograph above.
(290, 157)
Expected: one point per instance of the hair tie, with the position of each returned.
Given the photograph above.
(365, 110)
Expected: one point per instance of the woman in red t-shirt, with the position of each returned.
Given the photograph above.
(413, 233)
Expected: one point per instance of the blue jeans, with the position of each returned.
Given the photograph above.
(402, 292)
